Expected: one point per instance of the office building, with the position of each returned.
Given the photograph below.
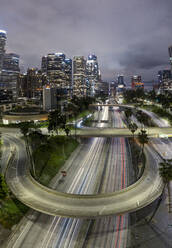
(3, 38)
(165, 81)
(120, 80)
(136, 82)
(59, 71)
(9, 66)
(11, 62)
(92, 74)
(49, 98)
(31, 84)
(120, 86)
(163, 75)
(170, 54)
(80, 84)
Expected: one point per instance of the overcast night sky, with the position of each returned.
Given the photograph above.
(128, 36)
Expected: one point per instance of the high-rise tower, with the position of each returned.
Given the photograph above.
(58, 70)
(170, 54)
(136, 82)
(3, 38)
(93, 73)
(9, 66)
(79, 76)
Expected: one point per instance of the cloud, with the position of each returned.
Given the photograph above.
(125, 35)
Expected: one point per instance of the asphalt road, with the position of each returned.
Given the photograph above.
(64, 232)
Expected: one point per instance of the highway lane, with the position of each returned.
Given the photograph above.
(6, 153)
(158, 121)
(112, 231)
(116, 118)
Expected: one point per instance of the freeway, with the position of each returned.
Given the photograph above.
(47, 231)
(82, 206)
(62, 232)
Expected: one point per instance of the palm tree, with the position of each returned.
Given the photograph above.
(133, 127)
(141, 117)
(24, 128)
(143, 138)
(74, 109)
(128, 113)
(165, 171)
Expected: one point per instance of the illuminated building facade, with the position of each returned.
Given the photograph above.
(9, 66)
(120, 80)
(92, 74)
(80, 87)
(170, 54)
(121, 87)
(59, 71)
(49, 98)
(3, 38)
(136, 82)
(164, 75)
(31, 84)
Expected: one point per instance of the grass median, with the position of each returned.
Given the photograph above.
(51, 156)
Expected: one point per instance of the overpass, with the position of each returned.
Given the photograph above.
(123, 132)
(46, 200)
(111, 105)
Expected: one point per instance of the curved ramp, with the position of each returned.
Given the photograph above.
(49, 201)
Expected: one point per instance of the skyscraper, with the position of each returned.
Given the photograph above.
(136, 82)
(49, 98)
(3, 38)
(58, 70)
(9, 66)
(31, 84)
(170, 54)
(92, 73)
(120, 80)
(80, 87)
(11, 62)
(164, 75)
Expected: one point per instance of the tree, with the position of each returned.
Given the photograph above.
(24, 128)
(4, 192)
(142, 117)
(74, 109)
(133, 127)
(143, 138)
(67, 131)
(128, 113)
(56, 120)
(165, 171)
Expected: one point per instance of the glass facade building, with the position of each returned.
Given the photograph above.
(93, 74)
(31, 84)
(136, 82)
(9, 66)
(3, 38)
(170, 54)
(58, 69)
(164, 75)
(80, 87)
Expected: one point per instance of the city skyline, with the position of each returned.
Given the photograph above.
(128, 37)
